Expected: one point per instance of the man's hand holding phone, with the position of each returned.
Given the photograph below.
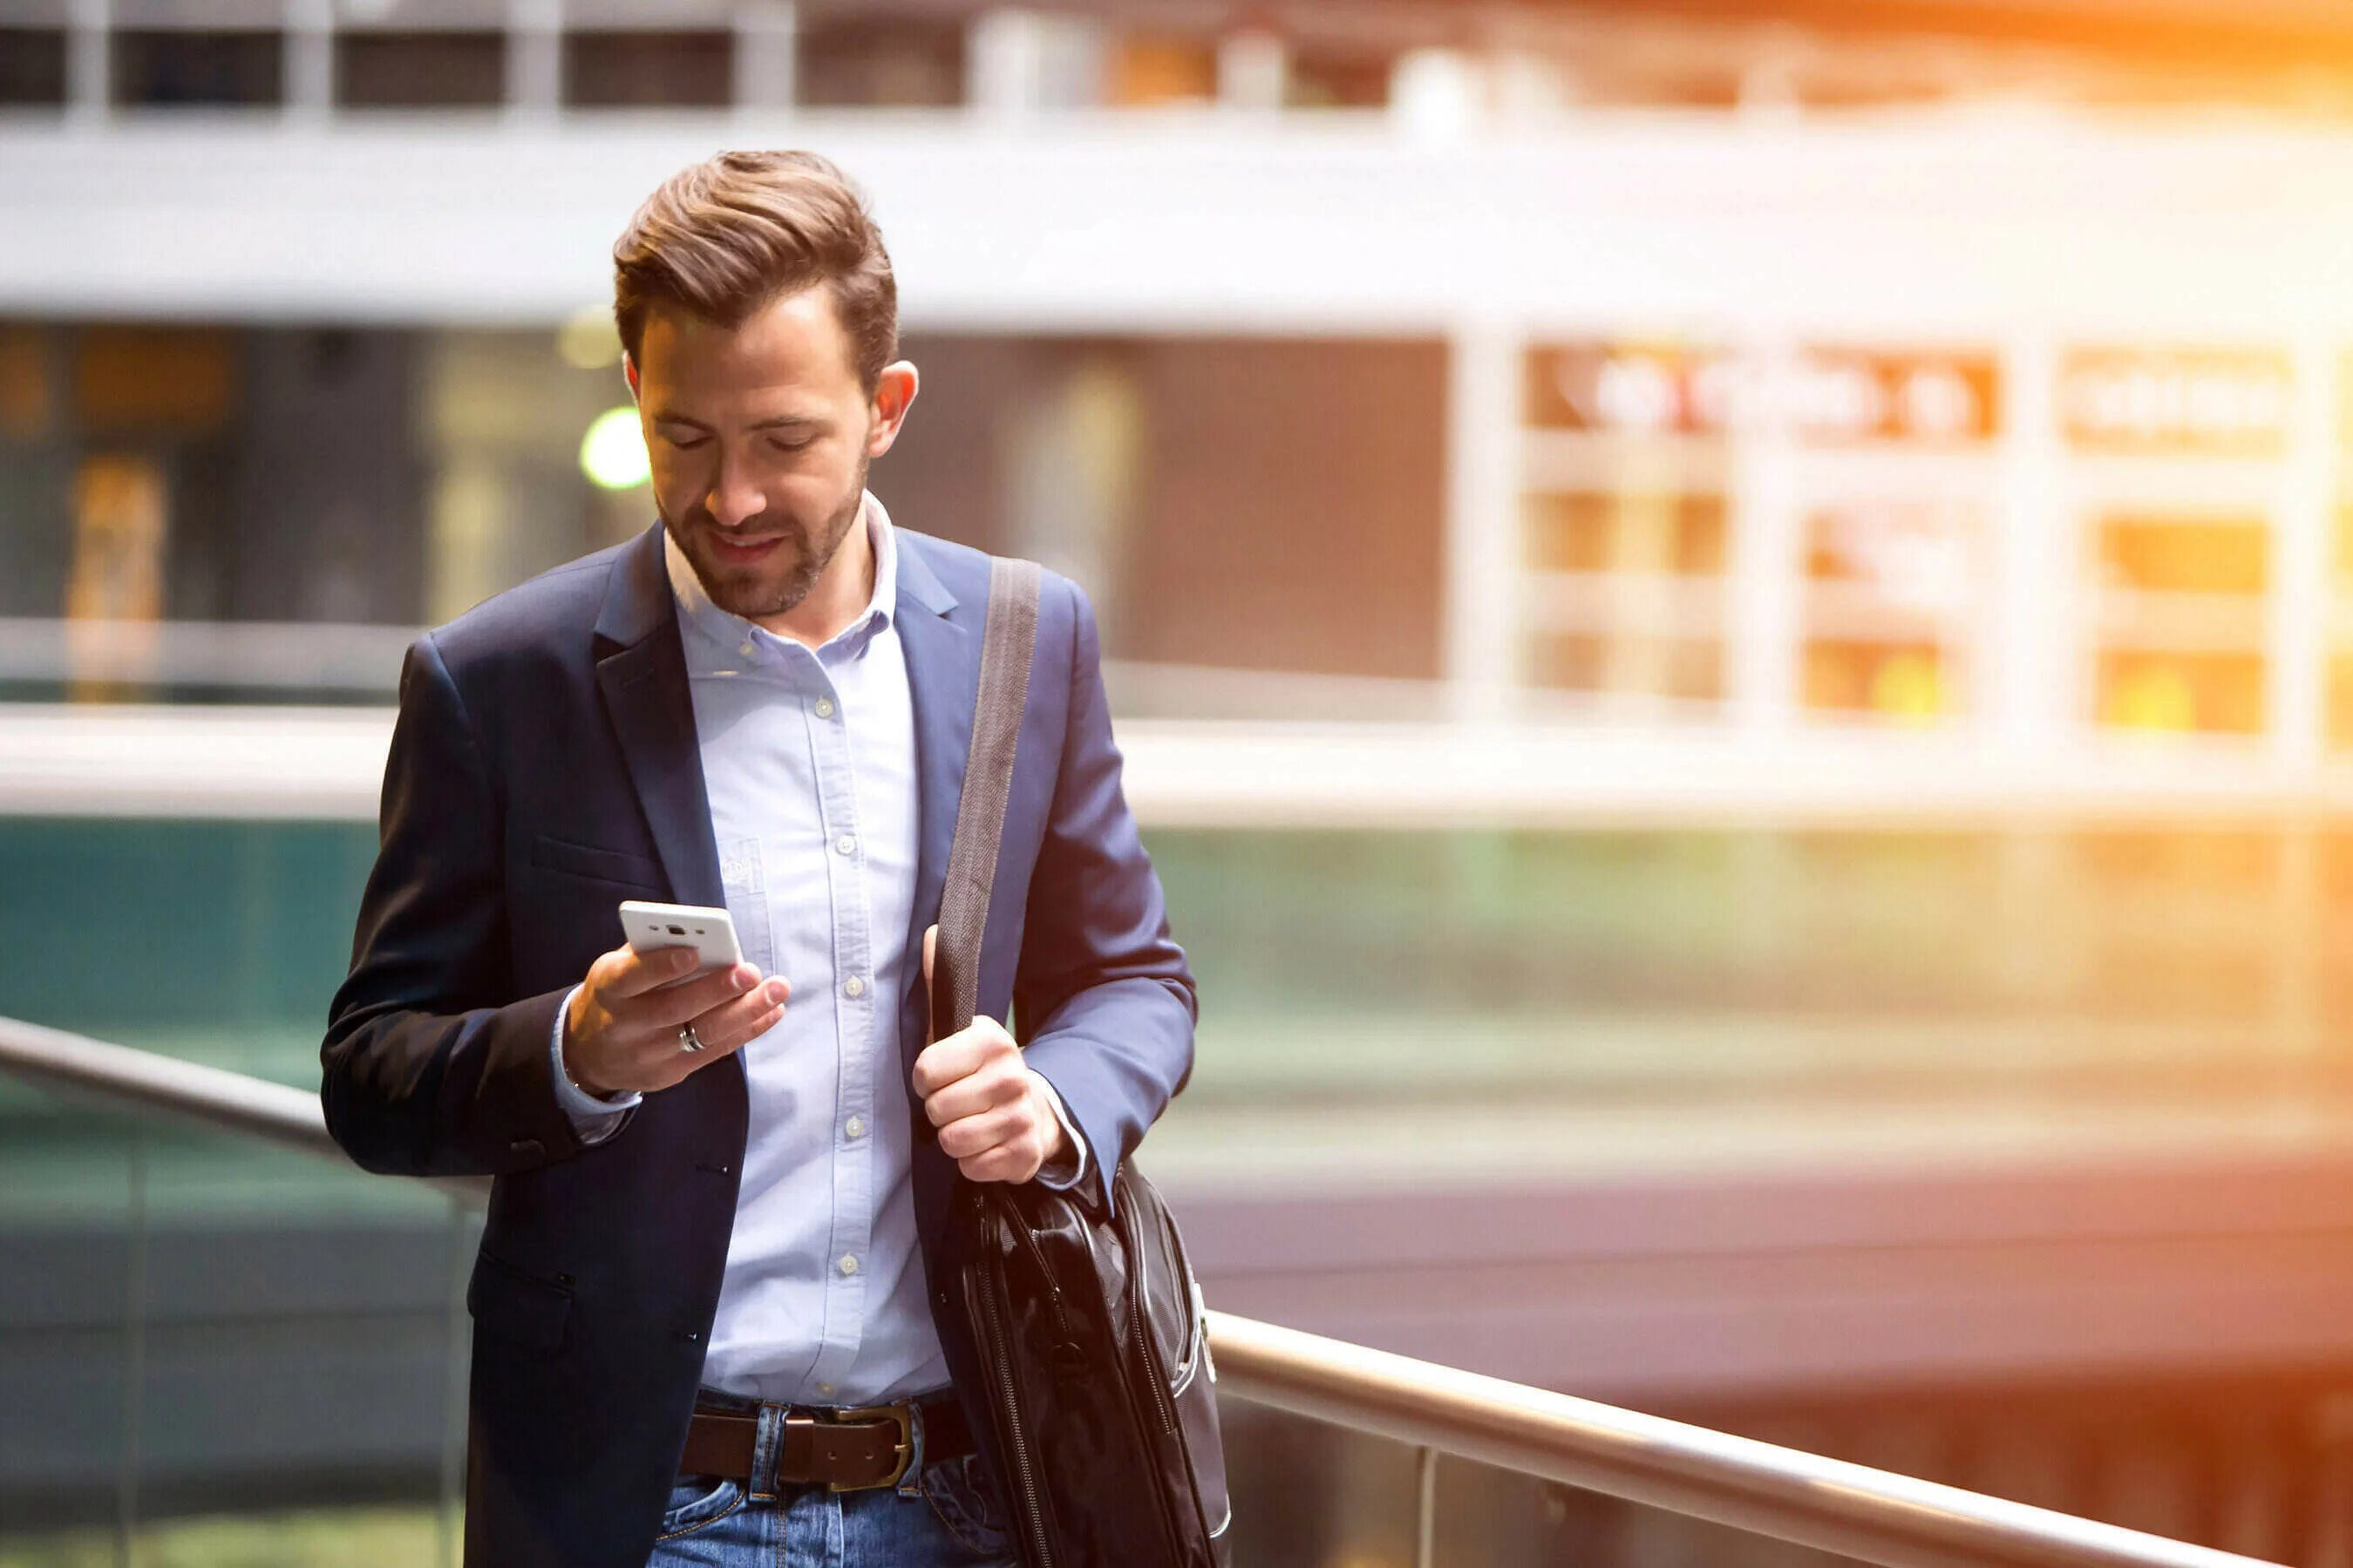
(621, 1031)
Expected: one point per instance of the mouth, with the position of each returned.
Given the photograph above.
(744, 553)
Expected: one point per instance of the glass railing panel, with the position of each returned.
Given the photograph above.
(1307, 1492)
(214, 1350)
(70, 1193)
(1500, 1519)
(1311, 1493)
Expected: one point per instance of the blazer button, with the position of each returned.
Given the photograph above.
(529, 1148)
(691, 1336)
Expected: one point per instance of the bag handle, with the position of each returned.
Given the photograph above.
(1008, 645)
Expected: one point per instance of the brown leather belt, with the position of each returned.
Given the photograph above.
(848, 1450)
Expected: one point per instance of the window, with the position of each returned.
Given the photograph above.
(1626, 519)
(32, 65)
(421, 70)
(2177, 454)
(879, 61)
(1894, 470)
(1149, 69)
(648, 69)
(2180, 622)
(163, 66)
(1891, 587)
(1330, 76)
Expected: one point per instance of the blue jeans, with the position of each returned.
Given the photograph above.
(941, 1515)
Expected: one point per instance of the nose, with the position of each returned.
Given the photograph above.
(734, 496)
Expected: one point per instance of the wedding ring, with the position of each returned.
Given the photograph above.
(688, 1040)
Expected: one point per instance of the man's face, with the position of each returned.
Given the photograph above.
(760, 435)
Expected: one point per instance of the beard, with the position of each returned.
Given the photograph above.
(778, 583)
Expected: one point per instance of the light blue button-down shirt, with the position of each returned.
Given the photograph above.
(808, 755)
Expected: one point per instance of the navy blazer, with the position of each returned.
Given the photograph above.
(545, 767)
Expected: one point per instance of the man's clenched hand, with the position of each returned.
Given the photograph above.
(995, 1117)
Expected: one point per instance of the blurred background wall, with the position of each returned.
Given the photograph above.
(1733, 624)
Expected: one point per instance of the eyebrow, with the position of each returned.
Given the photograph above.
(781, 421)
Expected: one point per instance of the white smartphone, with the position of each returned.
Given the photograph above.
(710, 931)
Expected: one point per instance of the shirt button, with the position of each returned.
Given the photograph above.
(825, 707)
(853, 987)
(849, 1263)
(827, 1389)
(845, 844)
(744, 648)
(855, 1126)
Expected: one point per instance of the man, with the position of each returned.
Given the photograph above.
(704, 1326)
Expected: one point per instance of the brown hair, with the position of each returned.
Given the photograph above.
(722, 238)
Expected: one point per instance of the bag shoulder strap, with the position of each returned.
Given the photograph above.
(1008, 645)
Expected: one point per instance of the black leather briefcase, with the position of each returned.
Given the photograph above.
(1090, 1324)
(1104, 1402)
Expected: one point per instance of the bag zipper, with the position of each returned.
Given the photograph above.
(1152, 1375)
(1144, 1331)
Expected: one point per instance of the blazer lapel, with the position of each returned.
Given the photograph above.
(643, 679)
(940, 638)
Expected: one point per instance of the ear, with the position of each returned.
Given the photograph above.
(894, 393)
(630, 374)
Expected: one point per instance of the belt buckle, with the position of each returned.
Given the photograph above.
(903, 1417)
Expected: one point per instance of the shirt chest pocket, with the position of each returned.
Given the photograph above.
(743, 876)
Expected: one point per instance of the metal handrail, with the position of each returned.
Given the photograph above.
(1785, 1493)
(209, 1096)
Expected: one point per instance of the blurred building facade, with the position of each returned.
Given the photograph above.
(1653, 367)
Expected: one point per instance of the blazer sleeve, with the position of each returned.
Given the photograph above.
(1102, 998)
(431, 1068)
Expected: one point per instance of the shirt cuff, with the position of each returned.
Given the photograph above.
(1068, 1169)
(594, 1117)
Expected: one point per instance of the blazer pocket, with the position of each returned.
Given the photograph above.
(507, 1301)
(598, 865)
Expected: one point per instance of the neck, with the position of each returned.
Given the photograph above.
(839, 595)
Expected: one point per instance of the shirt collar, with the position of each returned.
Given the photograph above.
(728, 630)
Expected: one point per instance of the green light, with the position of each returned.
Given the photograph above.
(613, 453)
